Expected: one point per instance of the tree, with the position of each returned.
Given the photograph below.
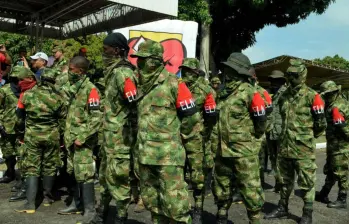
(235, 22)
(335, 62)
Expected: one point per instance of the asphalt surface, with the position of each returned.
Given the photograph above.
(237, 213)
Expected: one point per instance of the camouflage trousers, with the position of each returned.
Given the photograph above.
(118, 181)
(41, 154)
(337, 169)
(273, 147)
(105, 194)
(80, 162)
(165, 193)
(8, 146)
(306, 172)
(246, 171)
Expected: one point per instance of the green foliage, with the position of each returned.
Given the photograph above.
(234, 23)
(335, 61)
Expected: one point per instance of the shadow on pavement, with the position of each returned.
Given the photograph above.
(269, 207)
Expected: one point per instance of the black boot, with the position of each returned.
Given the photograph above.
(221, 219)
(32, 188)
(197, 215)
(10, 172)
(47, 184)
(237, 199)
(322, 196)
(21, 194)
(281, 212)
(88, 198)
(120, 220)
(307, 217)
(75, 206)
(17, 186)
(101, 215)
(340, 203)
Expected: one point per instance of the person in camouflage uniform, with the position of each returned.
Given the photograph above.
(337, 132)
(204, 100)
(120, 95)
(242, 120)
(80, 136)
(9, 95)
(41, 108)
(278, 86)
(60, 61)
(215, 83)
(167, 117)
(303, 120)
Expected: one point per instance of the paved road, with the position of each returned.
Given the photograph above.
(237, 213)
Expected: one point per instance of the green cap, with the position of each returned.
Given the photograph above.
(329, 86)
(277, 74)
(149, 48)
(215, 80)
(240, 63)
(22, 72)
(58, 48)
(191, 63)
(298, 66)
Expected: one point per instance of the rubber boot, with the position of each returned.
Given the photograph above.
(47, 184)
(237, 199)
(340, 203)
(21, 194)
(120, 220)
(10, 172)
(102, 210)
(222, 219)
(281, 212)
(32, 189)
(322, 196)
(88, 198)
(307, 217)
(76, 206)
(261, 173)
(18, 185)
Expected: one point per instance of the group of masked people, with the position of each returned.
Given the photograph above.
(155, 128)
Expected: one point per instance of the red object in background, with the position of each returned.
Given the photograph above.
(174, 51)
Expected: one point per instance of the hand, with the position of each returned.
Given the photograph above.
(25, 62)
(77, 143)
(2, 48)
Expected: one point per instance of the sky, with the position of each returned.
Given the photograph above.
(315, 37)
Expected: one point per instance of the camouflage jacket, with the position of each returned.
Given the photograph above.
(118, 103)
(159, 125)
(276, 116)
(8, 103)
(42, 109)
(239, 129)
(59, 64)
(84, 114)
(267, 100)
(62, 85)
(303, 120)
(337, 131)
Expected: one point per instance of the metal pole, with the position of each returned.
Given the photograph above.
(37, 26)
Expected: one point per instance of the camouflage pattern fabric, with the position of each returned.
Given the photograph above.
(118, 136)
(82, 124)
(276, 115)
(58, 65)
(8, 102)
(81, 162)
(118, 182)
(303, 120)
(42, 109)
(337, 169)
(246, 170)
(215, 80)
(166, 202)
(306, 171)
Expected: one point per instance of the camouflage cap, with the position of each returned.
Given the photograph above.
(191, 63)
(329, 86)
(149, 48)
(215, 80)
(298, 66)
(277, 74)
(240, 63)
(58, 48)
(22, 72)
